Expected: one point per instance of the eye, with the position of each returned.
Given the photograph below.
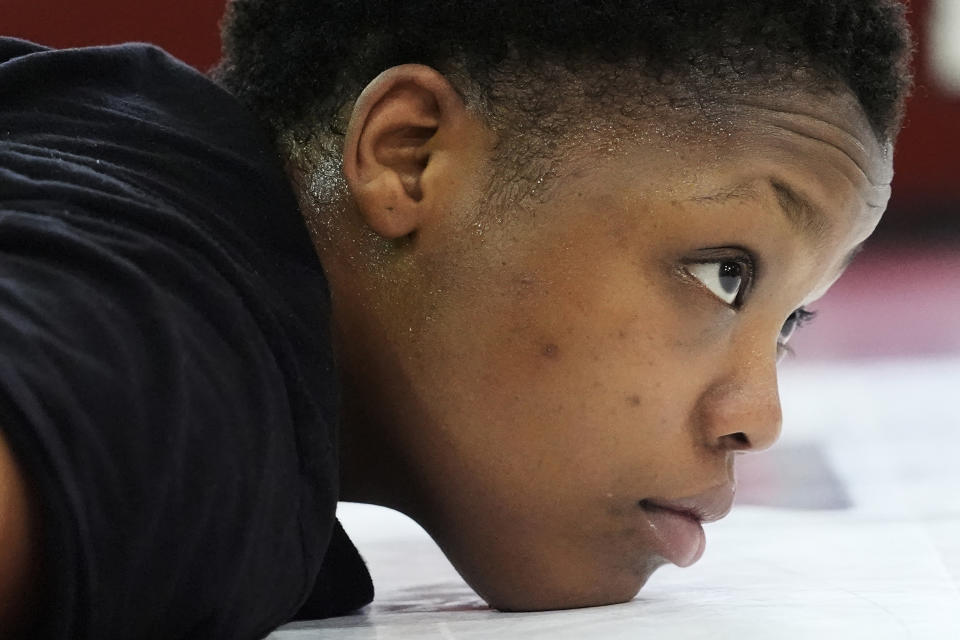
(726, 279)
(797, 319)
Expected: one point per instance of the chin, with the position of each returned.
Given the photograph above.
(576, 592)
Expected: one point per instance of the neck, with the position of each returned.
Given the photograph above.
(368, 467)
(375, 416)
(372, 469)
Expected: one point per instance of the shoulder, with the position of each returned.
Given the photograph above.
(133, 93)
(133, 127)
(158, 333)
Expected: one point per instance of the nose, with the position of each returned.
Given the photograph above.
(741, 410)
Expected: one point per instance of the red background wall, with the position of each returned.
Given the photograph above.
(186, 28)
(927, 187)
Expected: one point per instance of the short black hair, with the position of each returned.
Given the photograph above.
(290, 60)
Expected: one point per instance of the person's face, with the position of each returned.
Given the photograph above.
(622, 348)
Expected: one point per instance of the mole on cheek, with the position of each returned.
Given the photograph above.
(634, 400)
(550, 350)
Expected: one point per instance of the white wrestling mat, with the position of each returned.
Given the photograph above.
(848, 528)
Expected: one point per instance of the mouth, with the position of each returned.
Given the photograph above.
(677, 524)
(678, 535)
(651, 505)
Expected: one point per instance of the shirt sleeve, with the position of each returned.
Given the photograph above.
(166, 379)
(151, 417)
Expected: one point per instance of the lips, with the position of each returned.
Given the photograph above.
(675, 523)
(709, 506)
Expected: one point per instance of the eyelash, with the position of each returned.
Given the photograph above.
(749, 274)
(802, 317)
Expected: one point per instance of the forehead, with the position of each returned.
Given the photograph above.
(810, 160)
(813, 150)
(832, 119)
(708, 117)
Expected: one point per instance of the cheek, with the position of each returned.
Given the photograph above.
(583, 409)
(593, 376)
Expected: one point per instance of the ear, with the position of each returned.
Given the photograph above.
(400, 121)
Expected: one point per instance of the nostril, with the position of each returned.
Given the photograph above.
(738, 440)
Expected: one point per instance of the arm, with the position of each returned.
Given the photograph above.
(18, 570)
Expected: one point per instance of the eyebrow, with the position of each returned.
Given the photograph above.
(802, 213)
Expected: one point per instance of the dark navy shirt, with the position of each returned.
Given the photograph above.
(166, 373)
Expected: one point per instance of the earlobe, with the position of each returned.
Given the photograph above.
(389, 142)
